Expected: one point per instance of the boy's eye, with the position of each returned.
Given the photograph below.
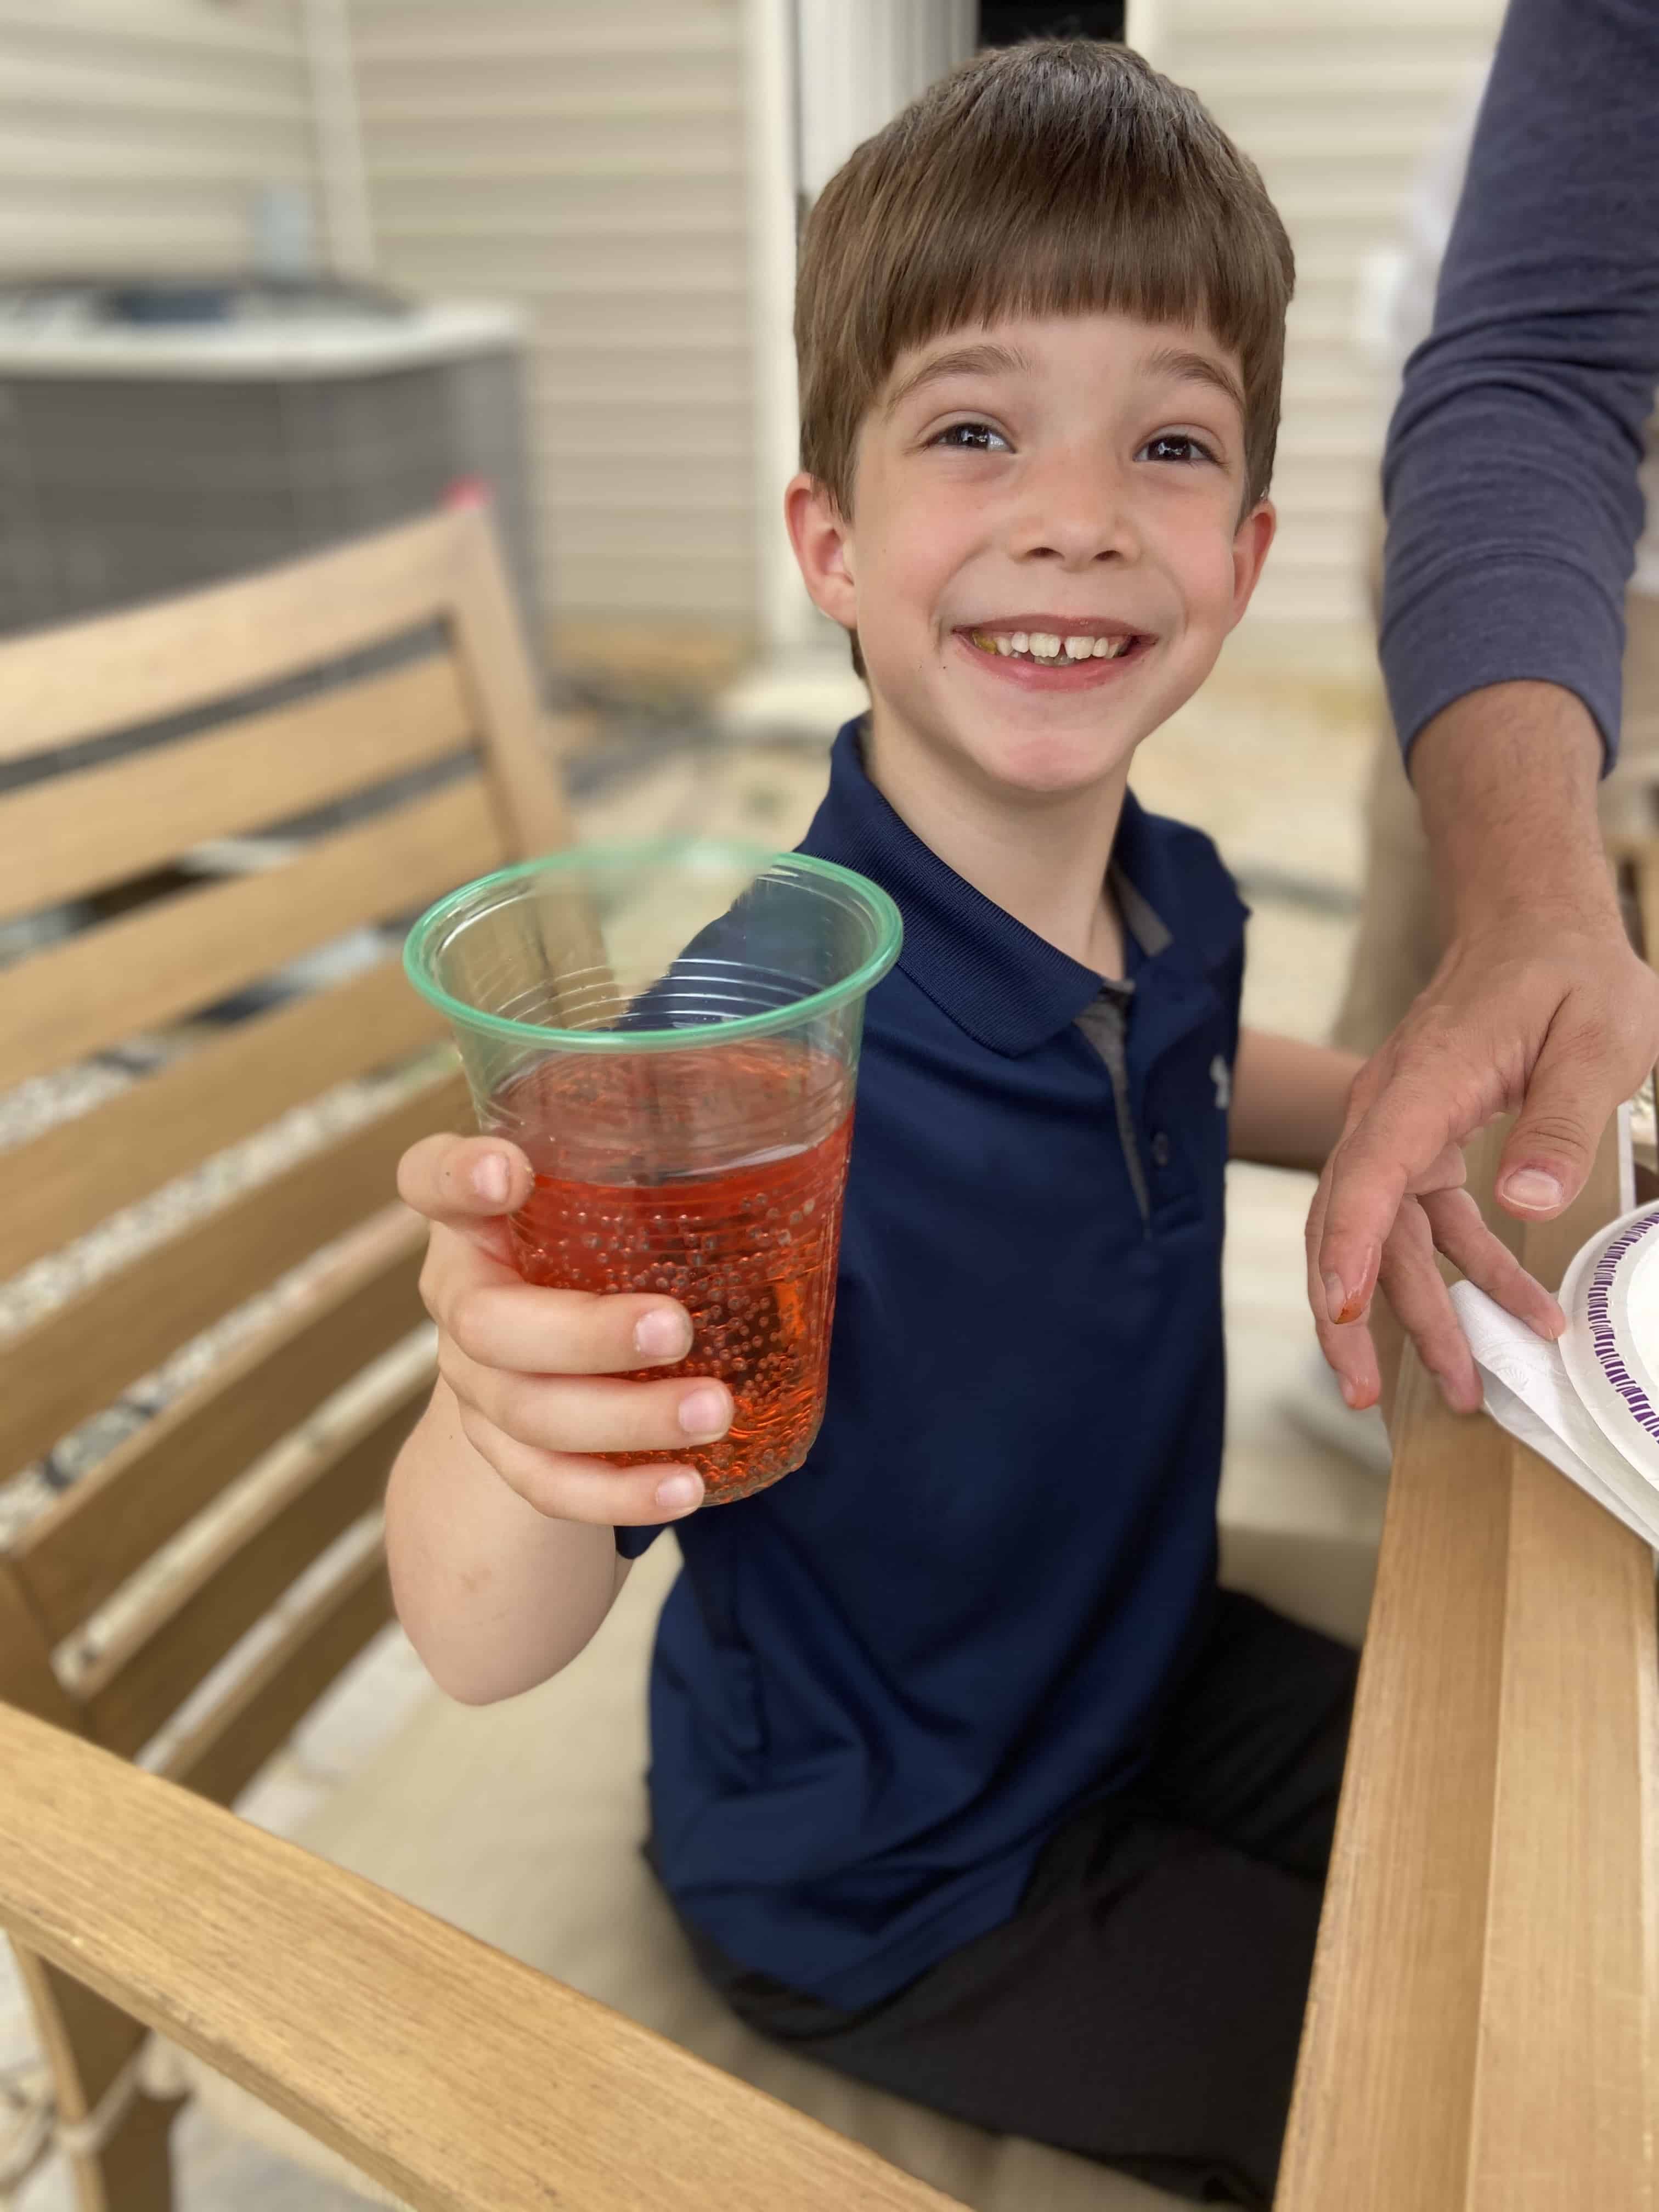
(971, 438)
(1175, 446)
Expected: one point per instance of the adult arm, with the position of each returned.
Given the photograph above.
(1513, 512)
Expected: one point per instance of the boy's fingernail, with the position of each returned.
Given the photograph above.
(704, 1415)
(492, 1178)
(664, 1334)
(677, 1492)
(1534, 1189)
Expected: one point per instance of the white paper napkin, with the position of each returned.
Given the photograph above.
(1527, 1392)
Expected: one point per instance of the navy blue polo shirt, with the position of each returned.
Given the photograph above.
(880, 1684)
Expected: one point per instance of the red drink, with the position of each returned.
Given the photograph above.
(714, 1175)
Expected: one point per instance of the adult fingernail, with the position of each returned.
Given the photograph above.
(1533, 1188)
(1351, 1394)
(1336, 1298)
(492, 1178)
(677, 1492)
(704, 1415)
(663, 1334)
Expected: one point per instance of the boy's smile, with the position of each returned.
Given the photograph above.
(1046, 549)
(1054, 654)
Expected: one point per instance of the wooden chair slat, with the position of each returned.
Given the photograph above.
(317, 1992)
(79, 831)
(181, 953)
(118, 672)
(146, 1675)
(100, 1532)
(27, 1678)
(1478, 2029)
(82, 1357)
(530, 800)
(74, 1175)
(218, 1758)
(89, 2041)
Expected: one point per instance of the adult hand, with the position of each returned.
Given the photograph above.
(1540, 1007)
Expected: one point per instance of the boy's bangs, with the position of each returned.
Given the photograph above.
(1155, 265)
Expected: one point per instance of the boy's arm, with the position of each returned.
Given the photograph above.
(494, 1595)
(1289, 1100)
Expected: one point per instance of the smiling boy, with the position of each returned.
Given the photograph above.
(966, 1778)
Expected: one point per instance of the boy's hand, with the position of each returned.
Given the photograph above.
(529, 1367)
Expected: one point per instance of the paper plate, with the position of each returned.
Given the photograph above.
(1610, 1295)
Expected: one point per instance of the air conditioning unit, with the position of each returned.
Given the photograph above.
(156, 436)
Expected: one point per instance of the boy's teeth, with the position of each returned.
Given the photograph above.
(1045, 645)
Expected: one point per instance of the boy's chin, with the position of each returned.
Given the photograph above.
(1046, 765)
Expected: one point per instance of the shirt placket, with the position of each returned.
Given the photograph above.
(1105, 1023)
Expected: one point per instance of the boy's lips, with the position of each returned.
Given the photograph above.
(1053, 651)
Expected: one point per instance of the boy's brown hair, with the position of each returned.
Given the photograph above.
(1061, 177)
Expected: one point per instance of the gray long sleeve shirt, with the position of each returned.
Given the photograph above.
(1510, 478)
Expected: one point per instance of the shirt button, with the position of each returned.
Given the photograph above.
(1160, 1150)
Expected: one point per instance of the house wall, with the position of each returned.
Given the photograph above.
(1337, 101)
(587, 161)
(138, 134)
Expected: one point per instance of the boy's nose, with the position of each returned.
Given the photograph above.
(1076, 514)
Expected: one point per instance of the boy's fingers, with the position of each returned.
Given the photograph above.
(587, 1412)
(574, 1489)
(462, 1180)
(529, 1331)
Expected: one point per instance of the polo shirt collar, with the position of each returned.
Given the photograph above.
(1009, 988)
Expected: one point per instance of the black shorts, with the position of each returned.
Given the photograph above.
(1143, 2005)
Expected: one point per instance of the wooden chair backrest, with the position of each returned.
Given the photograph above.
(414, 689)
(1482, 2030)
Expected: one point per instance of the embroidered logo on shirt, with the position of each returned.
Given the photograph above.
(1222, 1076)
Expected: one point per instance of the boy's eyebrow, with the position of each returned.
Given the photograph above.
(986, 359)
(1182, 361)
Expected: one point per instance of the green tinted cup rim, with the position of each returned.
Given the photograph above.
(433, 924)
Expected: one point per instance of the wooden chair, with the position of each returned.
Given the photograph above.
(448, 2074)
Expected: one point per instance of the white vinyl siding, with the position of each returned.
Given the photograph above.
(1337, 101)
(138, 134)
(588, 162)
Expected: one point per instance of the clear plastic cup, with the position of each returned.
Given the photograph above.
(670, 1034)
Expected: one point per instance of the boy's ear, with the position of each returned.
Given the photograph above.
(1251, 539)
(823, 540)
